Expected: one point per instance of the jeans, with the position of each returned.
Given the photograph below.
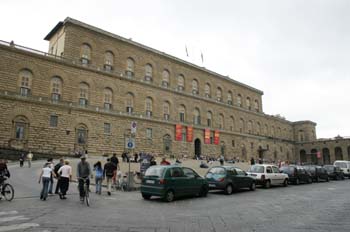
(29, 163)
(98, 181)
(51, 185)
(81, 186)
(45, 189)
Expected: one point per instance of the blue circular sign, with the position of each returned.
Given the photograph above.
(130, 144)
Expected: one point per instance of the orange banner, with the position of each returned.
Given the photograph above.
(178, 132)
(216, 137)
(207, 136)
(189, 134)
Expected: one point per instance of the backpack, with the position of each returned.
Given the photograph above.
(57, 167)
(109, 168)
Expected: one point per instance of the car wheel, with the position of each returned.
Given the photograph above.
(229, 189)
(268, 184)
(343, 178)
(169, 196)
(297, 181)
(146, 196)
(204, 191)
(338, 178)
(327, 179)
(285, 183)
(252, 186)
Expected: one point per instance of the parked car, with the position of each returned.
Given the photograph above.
(334, 173)
(317, 173)
(172, 181)
(297, 174)
(267, 175)
(344, 165)
(229, 178)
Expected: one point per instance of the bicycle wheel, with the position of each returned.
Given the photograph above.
(87, 199)
(8, 192)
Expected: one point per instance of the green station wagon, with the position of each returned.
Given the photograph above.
(169, 182)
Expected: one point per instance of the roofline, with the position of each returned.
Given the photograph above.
(305, 122)
(129, 41)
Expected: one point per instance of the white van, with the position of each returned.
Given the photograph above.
(343, 165)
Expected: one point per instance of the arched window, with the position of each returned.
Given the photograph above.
(81, 134)
(207, 90)
(301, 135)
(279, 132)
(129, 103)
(180, 82)
(20, 126)
(239, 100)
(266, 132)
(109, 61)
(195, 86)
(219, 94)
(232, 123)
(25, 82)
(250, 127)
(83, 94)
(209, 118)
(165, 78)
(166, 110)
(56, 88)
(85, 54)
(273, 132)
(130, 66)
(196, 117)
(149, 106)
(229, 98)
(256, 106)
(108, 98)
(148, 72)
(182, 113)
(221, 121)
(248, 103)
(258, 128)
(241, 125)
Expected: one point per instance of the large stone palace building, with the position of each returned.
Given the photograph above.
(100, 92)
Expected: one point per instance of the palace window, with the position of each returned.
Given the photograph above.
(209, 118)
(229, 98)
(20, 125)
(232, 123)
(108, 98)
(129, 103)
(180, 82)
(81, 134)
(248, 103)
(166, 110)
(207, 90)
(130, 65)
(149, 106)
(196, 117)
(107, 128)
(109, 60)
(221, 121)
(195, 87)
(165, 78)
(239, 100)
(149, 133)
(148, 72)
(256, 105)
(182, 112)
(219, 94)
(83, 94)
(56, 88)
(53, 120)
(85, 54)
(25, 82)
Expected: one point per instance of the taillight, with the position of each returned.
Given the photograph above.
(162, 181)
(263, 177)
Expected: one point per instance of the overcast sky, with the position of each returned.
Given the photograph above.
(297, 52)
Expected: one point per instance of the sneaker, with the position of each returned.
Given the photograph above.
(64, 198)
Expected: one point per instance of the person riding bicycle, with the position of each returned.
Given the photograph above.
(83, 172)
(4, 172)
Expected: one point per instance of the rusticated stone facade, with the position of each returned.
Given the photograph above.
(85, 92)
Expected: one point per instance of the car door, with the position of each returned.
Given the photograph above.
(193, 181)
(178, 181)
(278, 177)
(243, 178)
(270, 175)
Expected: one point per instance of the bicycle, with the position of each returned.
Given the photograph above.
(86, 198)
(6, 190)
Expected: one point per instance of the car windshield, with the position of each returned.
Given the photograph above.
(155, 171)
(256, 169)
(340, 164)
(329, 168)
(219, 171)
(286, 169)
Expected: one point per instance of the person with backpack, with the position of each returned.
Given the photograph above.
(55, 170)
(108, 171)
(98, 176)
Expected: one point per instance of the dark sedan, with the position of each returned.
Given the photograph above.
(229, 178)
(334, 173)
(317, 172)
(297, 174)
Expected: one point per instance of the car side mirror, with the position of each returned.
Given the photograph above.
(281, 171)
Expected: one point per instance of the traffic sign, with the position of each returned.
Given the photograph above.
(133, 127)
(130, 143)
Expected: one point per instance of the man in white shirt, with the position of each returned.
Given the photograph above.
(45, 176)
(65, 173)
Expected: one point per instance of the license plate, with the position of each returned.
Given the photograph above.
(150, 181)
(211, 185)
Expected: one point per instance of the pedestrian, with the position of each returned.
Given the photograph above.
(21, 159)
(115, 162)
(98, 176)
(164, 162)
(221, 160)
(153, 161)
(136, 157)
(83, 172)
(4, 172)
(252, 161)
(56, 168)
(45, 178)
(30, 156)
(108, 172)
(50, 161)
(65, 173)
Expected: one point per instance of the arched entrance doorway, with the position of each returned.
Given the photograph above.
(326, 156)
(314, 156)
(338, 153)
(197, 147)
(303, 158)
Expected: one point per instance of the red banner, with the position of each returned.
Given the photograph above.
(207, 136)
(319, 155)
(178, 132)
(189, 134)
(216, 137)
